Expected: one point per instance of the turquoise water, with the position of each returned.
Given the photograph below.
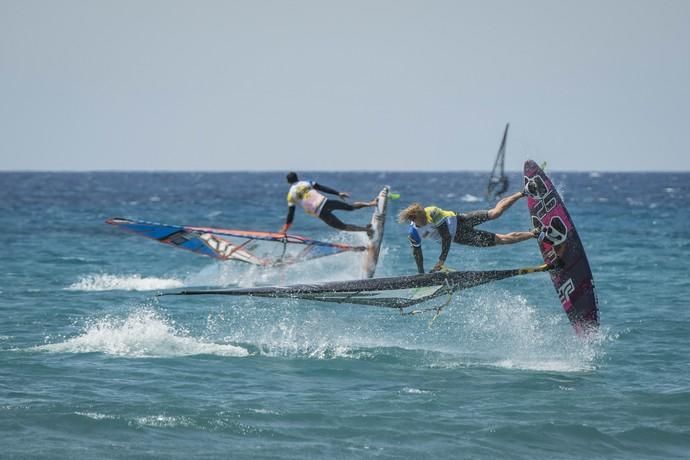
(93, 365)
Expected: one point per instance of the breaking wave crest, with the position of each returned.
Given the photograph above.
(142, 333)
(105, 282)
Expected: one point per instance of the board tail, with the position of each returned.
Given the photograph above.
(378, 221)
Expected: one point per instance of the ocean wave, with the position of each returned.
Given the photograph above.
(490, 328)
(106, 282)
(468, 198)
(518, 336)
(143, 333)
(415, 391)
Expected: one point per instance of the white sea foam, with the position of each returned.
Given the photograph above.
(265, 411)
(517, 335)
(491, 328)
(143, 333)
(299, 332)
(634, 202)
(96, 415)
(293, 339)
(232, 274)
(163, 421)
(467, 198)
(415, 391)
(135, 282)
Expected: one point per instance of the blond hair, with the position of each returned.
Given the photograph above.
(409, 212)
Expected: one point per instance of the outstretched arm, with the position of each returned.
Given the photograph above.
(323, 188)
(445, 245)
(418, 258)
(288, 220)
(416, 242)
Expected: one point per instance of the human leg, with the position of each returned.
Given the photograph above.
(364, 204)
(345, 206)
(503, 205)
(513, 237)
(468, 235)
(327, 216)
(472, 237)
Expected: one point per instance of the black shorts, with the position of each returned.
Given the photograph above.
(467, 234)
(333, 205)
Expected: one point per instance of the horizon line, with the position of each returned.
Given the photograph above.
(367, 171)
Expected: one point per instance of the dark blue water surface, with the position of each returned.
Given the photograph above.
(93, 365)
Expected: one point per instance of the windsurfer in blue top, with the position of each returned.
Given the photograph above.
(306, 193)
(446, 226)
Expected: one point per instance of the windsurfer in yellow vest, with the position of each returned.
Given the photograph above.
(306, 194)
(445, 226)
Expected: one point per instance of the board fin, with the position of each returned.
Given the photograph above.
(378, 221)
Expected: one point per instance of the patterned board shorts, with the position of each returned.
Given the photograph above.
(467, 234)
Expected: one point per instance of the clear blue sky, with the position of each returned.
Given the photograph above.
(348, 85)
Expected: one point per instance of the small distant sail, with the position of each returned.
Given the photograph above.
(498, 182)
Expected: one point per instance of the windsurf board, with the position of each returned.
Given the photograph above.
(561, 247)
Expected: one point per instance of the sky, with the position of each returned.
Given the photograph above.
(363, 85)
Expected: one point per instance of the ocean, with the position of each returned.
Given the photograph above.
(94, 365)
